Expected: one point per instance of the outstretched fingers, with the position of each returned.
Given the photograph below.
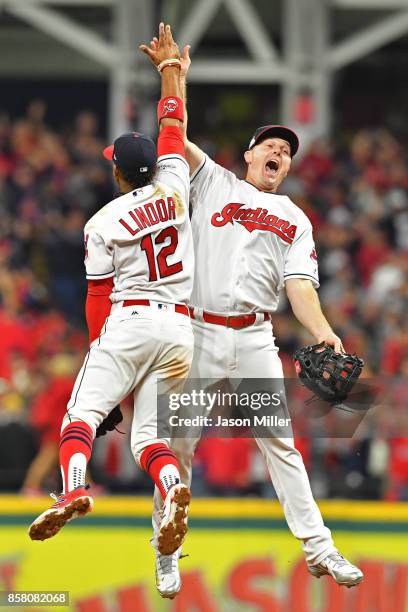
(169, 35)
(161, 33)
(147, 50)
(161, 47)
(186, 53)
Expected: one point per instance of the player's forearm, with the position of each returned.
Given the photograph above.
(306, 307)
(170, 87)
(194, 154)
(183, 95)
(183, 88)
(170, 82)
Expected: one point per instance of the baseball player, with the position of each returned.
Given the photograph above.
(249, 244)
(139, 265)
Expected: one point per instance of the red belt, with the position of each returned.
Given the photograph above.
(180, 308)
(235, 322)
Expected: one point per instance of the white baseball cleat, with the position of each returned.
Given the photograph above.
(168, 581)
(341, 570)
(173, 526)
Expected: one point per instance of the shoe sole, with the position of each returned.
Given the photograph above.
(346, 584)
(168, 595)
(163, 596)
(53, 521)
(172, 534)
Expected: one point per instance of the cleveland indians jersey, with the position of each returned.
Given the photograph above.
(247, 243)
(143, 239)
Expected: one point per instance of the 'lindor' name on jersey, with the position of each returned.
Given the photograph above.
(148, 215)
(143, 239)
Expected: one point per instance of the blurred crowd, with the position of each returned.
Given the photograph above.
(356, 196)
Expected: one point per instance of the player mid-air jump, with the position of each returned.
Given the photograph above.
(250, 243)
(139, 265)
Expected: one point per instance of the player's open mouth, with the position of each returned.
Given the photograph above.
(272, 167)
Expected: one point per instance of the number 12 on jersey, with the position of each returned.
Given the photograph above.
(158, 266)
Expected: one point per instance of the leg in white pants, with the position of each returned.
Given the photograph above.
(135, 348)
(220, 352)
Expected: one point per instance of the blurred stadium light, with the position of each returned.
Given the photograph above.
(303, 64)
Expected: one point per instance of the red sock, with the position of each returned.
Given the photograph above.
(162, 466)
(75, 452)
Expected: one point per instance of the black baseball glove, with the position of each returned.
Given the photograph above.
(109, 424)
(328, 374)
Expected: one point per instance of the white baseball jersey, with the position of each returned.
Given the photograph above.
(143, 239)
(247, 243)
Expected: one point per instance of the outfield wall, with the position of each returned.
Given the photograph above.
(241, 558)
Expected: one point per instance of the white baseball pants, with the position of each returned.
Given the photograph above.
(137, 346)
(221, 352)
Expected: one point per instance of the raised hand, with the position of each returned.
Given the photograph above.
(163, 47)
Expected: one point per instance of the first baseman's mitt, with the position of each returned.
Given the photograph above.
(328, 374)
(109, 423)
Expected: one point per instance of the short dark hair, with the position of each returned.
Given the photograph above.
(138, 179)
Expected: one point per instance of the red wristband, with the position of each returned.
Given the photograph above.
(170, 107)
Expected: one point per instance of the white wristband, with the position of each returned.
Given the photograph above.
(168, 62)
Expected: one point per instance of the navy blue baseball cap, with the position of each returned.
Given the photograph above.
(276, 131)
(132, 151)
